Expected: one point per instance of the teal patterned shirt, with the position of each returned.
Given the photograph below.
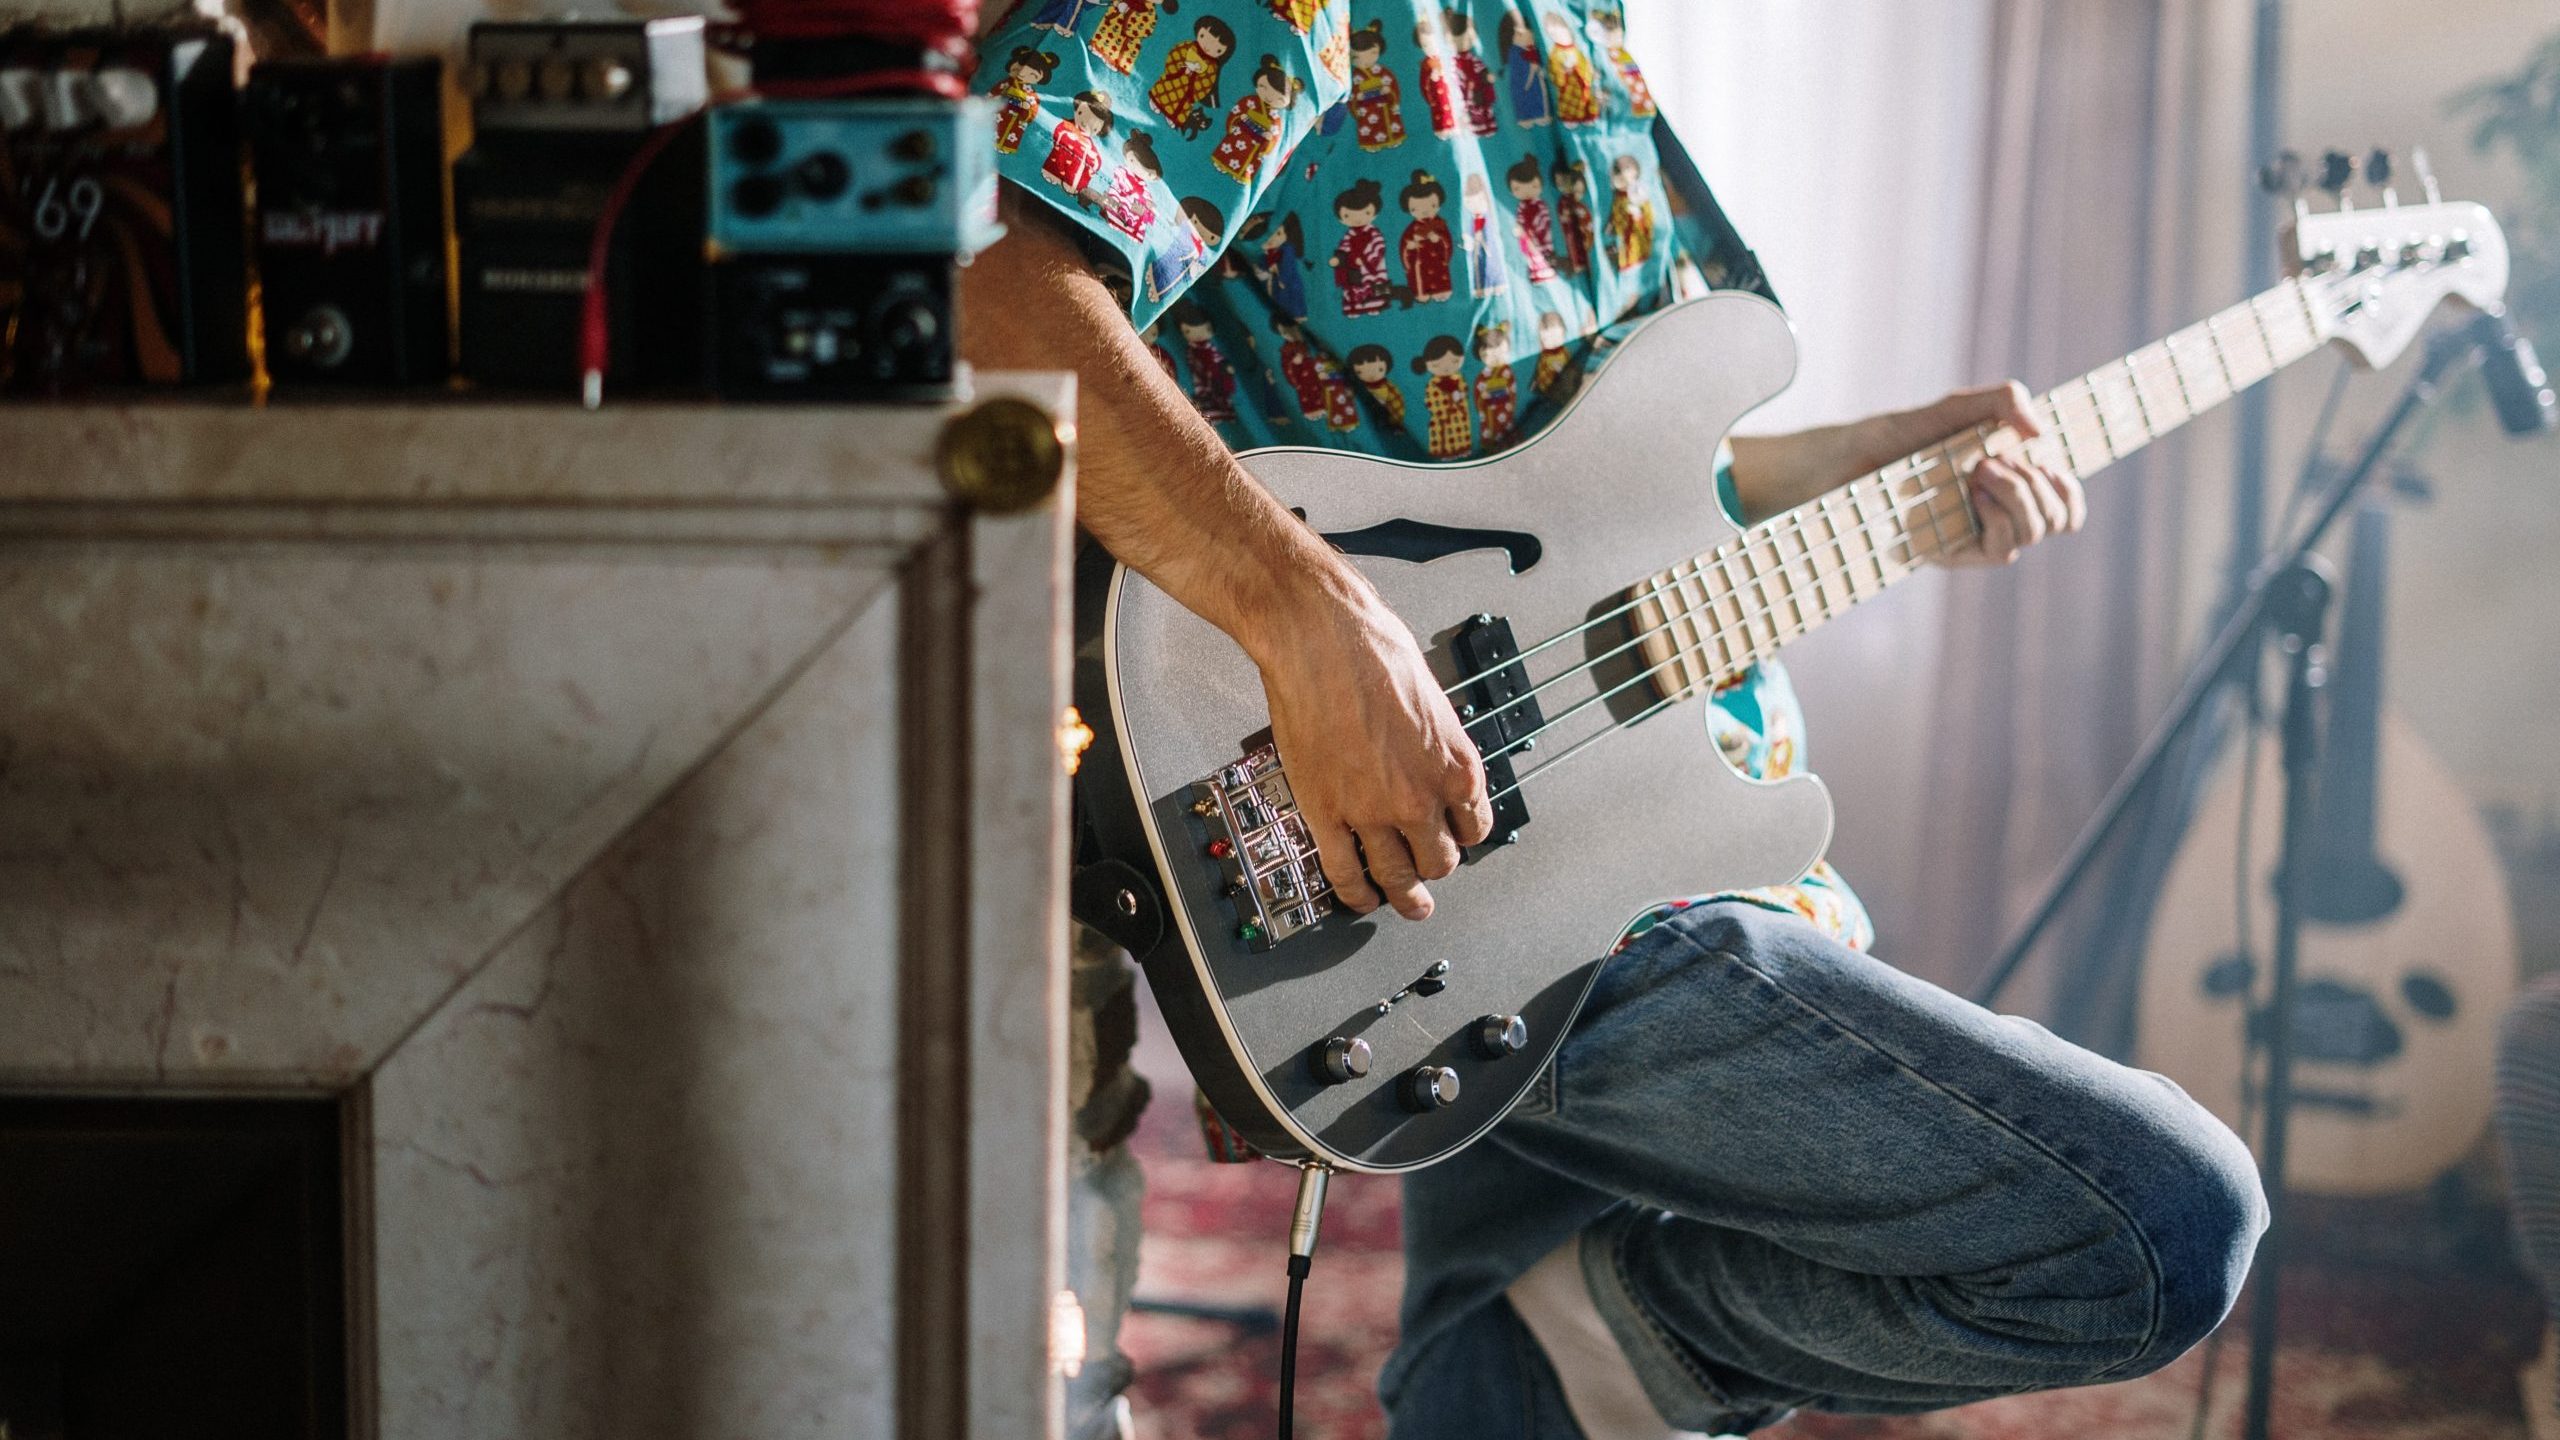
(1406, 228)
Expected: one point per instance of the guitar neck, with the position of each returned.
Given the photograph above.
(1712, 617)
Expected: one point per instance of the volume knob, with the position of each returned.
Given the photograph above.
(1433, 1087)
(1343, 1059)
(1501, 1036)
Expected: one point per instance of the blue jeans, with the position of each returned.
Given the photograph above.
(1805, 1179)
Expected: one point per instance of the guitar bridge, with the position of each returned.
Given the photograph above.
(1262, 847)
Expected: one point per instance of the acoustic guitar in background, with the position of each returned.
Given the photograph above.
(2408, 949)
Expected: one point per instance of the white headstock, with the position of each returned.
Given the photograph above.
(2380, 273)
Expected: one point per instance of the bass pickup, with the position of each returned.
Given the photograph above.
(1500, 710)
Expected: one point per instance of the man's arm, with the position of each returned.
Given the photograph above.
(1377, 759)
(2019, 503)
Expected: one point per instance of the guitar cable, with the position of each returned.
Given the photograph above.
(1303, 1220)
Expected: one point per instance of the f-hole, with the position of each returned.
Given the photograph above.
(1422, 542)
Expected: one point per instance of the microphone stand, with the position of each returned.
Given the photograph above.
(2286, 600)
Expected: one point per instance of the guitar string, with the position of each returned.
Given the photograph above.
(2275, 364)
(1895, 509)
(1680, 655)
(2056, 435)
(1912, 465)
(1770, 533)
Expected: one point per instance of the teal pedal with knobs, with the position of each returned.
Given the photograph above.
(858, 176)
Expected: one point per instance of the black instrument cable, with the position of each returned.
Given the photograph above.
(1303, 1220)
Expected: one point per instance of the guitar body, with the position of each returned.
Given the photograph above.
(1649, 811)
(2395, 1050)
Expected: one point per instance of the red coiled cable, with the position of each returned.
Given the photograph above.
(932, 29)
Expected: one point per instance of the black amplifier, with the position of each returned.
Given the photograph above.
(122, 235)
(560, 108)
(349, 160)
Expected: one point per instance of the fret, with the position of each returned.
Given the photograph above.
(2244, 351)
(1778, 530)
(1813, 566)
(1721, 662)
(2049, 415)
(2120, 410)
(2191, 394)
(1657, 616)
(2312, 321)
(1764, 542)
(2287, 341)
(1875, 552)
(2083, 429)
(2164, 405)
(2200, 372)
(1680, 617)
(1744, 612)
(1898, 515)
(1840, 544)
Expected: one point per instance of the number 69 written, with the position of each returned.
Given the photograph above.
(60, 207)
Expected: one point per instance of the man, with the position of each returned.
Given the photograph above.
(1767, 1170)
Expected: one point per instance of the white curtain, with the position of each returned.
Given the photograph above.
(1845, 138)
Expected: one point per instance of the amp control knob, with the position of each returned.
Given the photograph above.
(1499, 1037)
(1343, 1059)
(1433, 1087)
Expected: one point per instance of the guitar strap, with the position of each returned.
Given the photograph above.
(1728, 263)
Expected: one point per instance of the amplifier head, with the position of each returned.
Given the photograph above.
(616, 75)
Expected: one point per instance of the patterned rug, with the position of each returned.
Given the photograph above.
(2404, 1321)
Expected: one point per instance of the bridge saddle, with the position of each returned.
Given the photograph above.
(1262, 848)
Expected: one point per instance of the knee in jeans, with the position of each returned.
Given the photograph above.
(2200, 1218)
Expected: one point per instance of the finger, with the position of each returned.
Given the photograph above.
(1391, 869)
(2049, 501)
(2018, 410)
(2006, 487)
(1999, 535)
(1435, 850)
(1340, 852)
(1470, 806)
(2075, 498)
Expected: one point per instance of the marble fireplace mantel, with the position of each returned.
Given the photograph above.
(650, 821)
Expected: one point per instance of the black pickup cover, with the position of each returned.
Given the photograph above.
(1489, 658)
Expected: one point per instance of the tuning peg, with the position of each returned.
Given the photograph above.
(2337, 172)
(2426, 169)
(2283, 175)
(2377, 173)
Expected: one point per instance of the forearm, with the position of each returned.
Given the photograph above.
(1776, 473)
(1154, 482)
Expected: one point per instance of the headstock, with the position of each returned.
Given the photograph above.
(2379, 272)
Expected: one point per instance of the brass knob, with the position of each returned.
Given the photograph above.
(1002, 456)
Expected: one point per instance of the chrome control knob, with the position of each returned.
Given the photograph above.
(1433, 1087)
(1499, 1037)
(1343, 1059)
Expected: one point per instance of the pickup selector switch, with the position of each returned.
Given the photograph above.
(1343, 1059)
(1433, 1087)
(1499, 1037)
